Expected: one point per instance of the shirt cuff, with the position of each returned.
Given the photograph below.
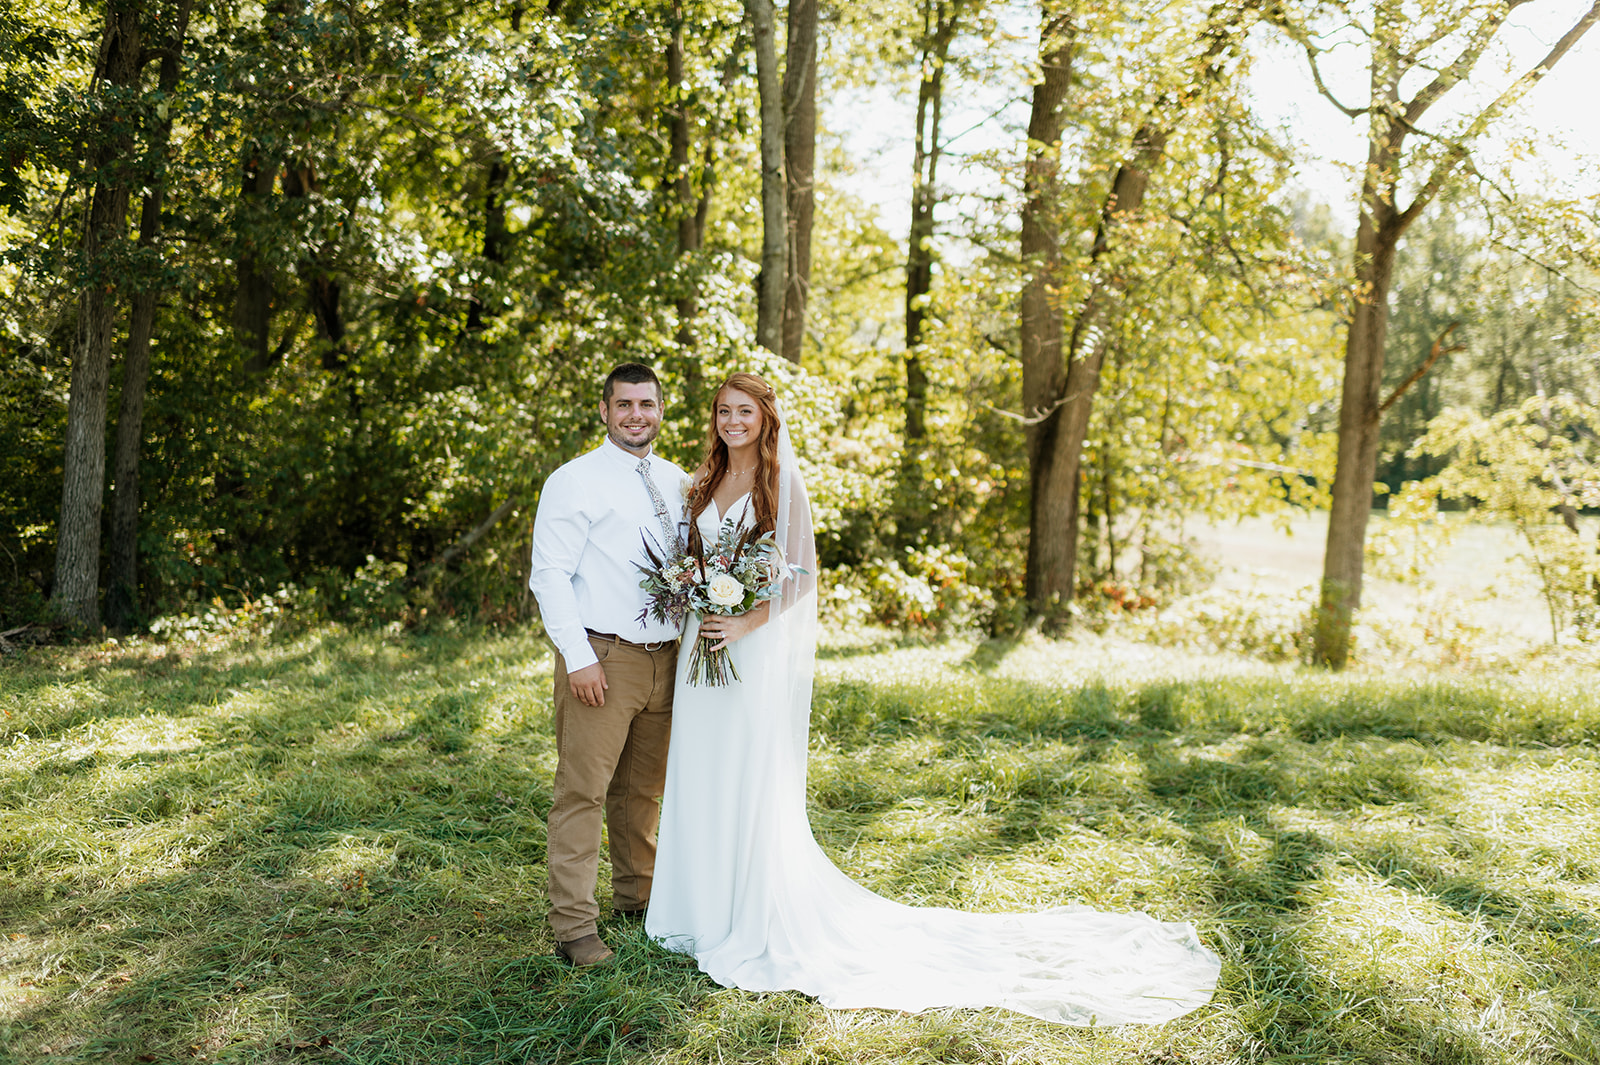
(573, 645)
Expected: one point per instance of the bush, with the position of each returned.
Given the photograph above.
(930, 591)
(264, 616)
(1273, 626)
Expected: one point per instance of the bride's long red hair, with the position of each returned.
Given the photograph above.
(764, 493)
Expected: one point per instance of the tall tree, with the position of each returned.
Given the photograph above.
(690, 207)
(494, 209)
(323, 290)
(255, 295)
(690, 233)
(799, 153)
(76, 594)
(1060, 384)
(1049, 575)
(122, 587)
(939, 21)
(688, 187)
(772, 282)
(1400, 44)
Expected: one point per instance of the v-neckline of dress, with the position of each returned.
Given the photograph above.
(721, 516)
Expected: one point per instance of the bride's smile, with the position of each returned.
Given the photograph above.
(738, 419)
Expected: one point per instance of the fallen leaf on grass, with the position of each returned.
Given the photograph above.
(114, 980)
(300, 1046)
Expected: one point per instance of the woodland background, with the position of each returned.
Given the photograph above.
(301, 301)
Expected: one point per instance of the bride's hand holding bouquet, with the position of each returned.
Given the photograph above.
(724, 587)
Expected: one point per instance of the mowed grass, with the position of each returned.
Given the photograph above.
(330, 849)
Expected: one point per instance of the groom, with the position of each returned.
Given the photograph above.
(614, 674)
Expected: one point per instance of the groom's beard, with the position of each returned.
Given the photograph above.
(618, 437)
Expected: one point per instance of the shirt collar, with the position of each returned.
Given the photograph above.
(622, 454)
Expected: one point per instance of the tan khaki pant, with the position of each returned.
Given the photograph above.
(613, 756)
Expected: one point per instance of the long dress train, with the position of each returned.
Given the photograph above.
(741, 884)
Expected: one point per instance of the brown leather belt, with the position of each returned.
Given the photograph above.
(613, 638)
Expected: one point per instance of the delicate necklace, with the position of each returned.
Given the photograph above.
(741, 473)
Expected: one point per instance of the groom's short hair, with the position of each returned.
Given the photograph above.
(630, 373)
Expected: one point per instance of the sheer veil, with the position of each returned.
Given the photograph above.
(795, 613)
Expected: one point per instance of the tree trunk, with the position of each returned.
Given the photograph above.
(1063, 432)
(1041, 320)
(122, 587)
(1383, 222)
(255, 296)
(1059, 393)
(800, 152)
(771, 283)
(1357, 459)
(76, 594)
(939, 28)
(322, 288)
(494, 225)
(689, 235)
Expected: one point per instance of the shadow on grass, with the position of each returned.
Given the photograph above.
(1297, 1002)
(310, 886)
(181, 681)
(292, 971)
(1327, 748)
(352, 869)
(987, 656)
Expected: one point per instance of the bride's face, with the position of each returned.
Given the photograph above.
(738, 419)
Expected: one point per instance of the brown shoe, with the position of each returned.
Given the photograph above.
(586, 951)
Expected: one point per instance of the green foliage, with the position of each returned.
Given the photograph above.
(932, 591)
(26, 48)
(1407, 545)
(402, 245)
(1533, 466)
(444, 375)
(1270, 625)
(1526, 315)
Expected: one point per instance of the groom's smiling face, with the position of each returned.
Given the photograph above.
(633, 416)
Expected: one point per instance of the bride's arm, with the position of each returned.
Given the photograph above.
(736, 627)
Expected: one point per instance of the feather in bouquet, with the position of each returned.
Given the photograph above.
(741, 570)
(669, 582)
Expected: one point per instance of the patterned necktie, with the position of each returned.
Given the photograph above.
(668, 526)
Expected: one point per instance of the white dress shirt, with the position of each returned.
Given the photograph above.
(588, 533)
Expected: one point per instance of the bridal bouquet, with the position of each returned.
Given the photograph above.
(740, 571)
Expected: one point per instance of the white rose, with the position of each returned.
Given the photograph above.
(725, 590)
(684, 485)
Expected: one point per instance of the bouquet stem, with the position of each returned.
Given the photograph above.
(708, 668)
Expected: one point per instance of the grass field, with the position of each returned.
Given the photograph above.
(1479, 576)
(329, 848)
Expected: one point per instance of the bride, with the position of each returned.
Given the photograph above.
(740, 882)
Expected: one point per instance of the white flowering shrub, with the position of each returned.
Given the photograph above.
(928, 590)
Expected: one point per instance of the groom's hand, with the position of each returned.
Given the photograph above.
(589, 685)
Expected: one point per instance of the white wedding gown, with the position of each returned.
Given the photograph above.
(741, 884)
